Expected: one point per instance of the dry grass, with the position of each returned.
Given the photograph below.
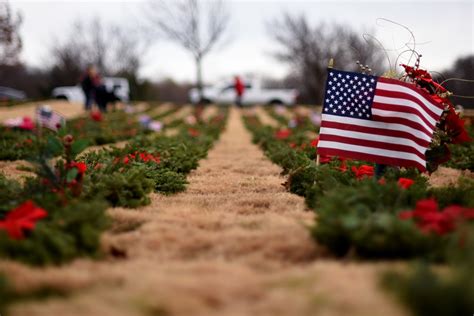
(264, 117)
(234, 243)
(447, 176)
(13, 169)
(68, 109)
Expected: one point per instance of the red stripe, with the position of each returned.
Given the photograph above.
(401, 109)
(406, 96)
(411, 86)
(373, 158)
(402, 121)
(371, 144)
(375, 131)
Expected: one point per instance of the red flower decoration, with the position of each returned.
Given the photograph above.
(405, 183)
(455, 127)
(80, 166)
(430, 220)
(193, 132)
(283, 134)
(343, 166)
(27, 124)
(363, 171)
(143, 156)
(324, 159)
(22, 218)
(314, 142)
(97, 116)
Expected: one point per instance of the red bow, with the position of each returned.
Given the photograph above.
(430, 219)
(22, 218)
(363, 171)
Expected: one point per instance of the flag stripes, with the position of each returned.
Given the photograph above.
(400, 127)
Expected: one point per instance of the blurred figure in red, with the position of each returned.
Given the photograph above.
(239, 90)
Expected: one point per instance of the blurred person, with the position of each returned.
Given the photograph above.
(239, 90)
(89, 83)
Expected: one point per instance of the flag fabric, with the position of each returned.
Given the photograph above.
(50, 119)
(377, 119)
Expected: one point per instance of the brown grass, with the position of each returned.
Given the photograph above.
(14, 169)
(68, 109)
(447, 176)
(235, 243)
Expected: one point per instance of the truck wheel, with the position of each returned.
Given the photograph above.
(205, 101)
(61, 97)
(275, 102)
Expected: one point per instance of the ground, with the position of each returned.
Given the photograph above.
(234, 243)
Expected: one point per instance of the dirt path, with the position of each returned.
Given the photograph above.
(233, 244)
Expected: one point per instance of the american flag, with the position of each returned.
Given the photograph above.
(50, 119)
(377, 119)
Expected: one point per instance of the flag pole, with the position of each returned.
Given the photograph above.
(39, 132)
(330, 66)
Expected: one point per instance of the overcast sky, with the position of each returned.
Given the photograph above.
(444, 28)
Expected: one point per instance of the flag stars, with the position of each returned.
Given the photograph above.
(349, 94)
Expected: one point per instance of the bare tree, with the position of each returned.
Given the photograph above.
(194, 25)
(459, 79)
(10, 41)
(308, 49)
(109, 47)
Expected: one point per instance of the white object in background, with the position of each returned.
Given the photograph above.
(119, 86)
(292, 123)
(253, 94)
(155, 126)
(315, 118)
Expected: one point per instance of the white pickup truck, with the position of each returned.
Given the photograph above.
(119, 86)
(253, 94)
